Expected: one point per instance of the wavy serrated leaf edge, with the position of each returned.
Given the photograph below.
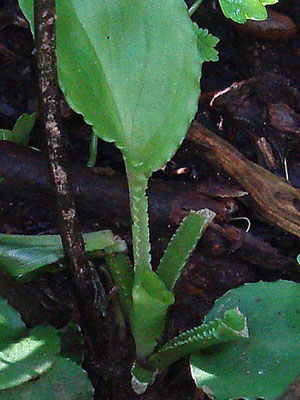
(201, 337)
(169, 270)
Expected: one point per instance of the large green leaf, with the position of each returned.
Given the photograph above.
(264, 365)
(132, 68)
(11, 324)
(64, 381)
(31, 356)
(241, 10)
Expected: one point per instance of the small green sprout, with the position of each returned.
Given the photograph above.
(21, 131)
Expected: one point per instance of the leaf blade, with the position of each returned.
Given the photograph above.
(127, 58)
(55, 384)
(22, 254)
(11, 324)
(28, 357)
(23, 127)
(182, 244)
(239, 11)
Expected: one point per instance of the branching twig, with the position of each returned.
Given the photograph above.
(81, 274)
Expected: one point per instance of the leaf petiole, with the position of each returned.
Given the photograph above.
(137, 183)
(195, 7)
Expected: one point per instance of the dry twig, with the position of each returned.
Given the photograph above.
(80, 272)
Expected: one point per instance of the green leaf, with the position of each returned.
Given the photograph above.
(64, 381)
(19, 261)
(264, 365)
(122, 274)
(23, 127)
(22, 254)
(151, 301)
(29, 357)
(206, 45)
(6, 134)
(21, 131)
(241, 10)
(98, 240)
(29, 366)
(182, 244)
(233, 326)
(28, 11)
(132, 69)
(11, 324)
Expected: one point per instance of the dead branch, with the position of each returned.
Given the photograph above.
(26, 176)
(275, 200)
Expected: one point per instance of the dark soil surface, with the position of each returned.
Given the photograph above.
(245, 117)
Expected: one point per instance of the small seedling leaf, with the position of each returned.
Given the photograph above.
(64, 381)
(241, 10)
(30, 368)
(21, 130)
(206, 45)
(263, 365)
(23, 127)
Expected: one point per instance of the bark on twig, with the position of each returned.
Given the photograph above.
(81, 275)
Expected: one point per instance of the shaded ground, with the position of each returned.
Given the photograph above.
(243, 117)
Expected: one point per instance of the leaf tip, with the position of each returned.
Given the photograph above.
(209, 215)
(138, 386)
(141, 378)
